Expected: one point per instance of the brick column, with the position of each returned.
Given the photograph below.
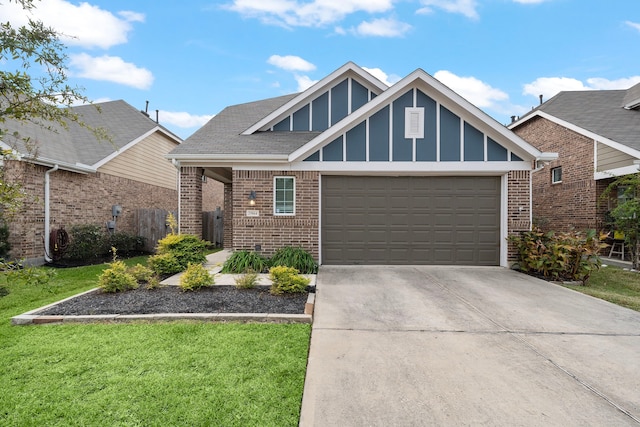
(518, 211)
(191, 201)
(227, 240)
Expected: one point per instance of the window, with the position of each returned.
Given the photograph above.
(556, 175)
(284, 195)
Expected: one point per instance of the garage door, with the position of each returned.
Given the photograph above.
(410, 220)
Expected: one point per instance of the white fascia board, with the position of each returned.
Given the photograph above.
(133, 143)
(386, 97)
(612, 173)
(582, 131)
(207, 160)
(318, 87)
(394, 168)
(72, 167)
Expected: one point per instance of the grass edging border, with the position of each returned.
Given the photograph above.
(33, 318)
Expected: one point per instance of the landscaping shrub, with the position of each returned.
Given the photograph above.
(87, 242)
(249, 280)
(176, 251)
(125, 243)
(243, 261)
(5, 247)
(116, 278)
(90, 242)
(141, 273)
(562, 256)
(286, 280)
(195, 277)
(297, 258)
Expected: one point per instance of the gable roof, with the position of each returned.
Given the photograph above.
(76, 147)
(248, 132)
(600, 113)
(433, 87)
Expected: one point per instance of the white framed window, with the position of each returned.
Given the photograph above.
(414, 122)
(284, 195)
(556, 175)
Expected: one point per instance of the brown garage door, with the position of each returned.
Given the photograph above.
(410, 220)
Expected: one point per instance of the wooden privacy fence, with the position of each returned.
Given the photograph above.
(152, 225)
(212, 226)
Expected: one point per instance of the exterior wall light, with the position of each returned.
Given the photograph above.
(252, 198)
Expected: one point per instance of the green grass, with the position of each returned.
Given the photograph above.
(615, 285)
(144, 374)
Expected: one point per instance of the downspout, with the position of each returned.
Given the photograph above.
(47, 231)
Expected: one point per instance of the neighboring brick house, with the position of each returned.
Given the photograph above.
(597, 137)
(357, 172)
(70, 177)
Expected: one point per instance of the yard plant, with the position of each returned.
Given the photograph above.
(195, 277)
(571, 256)
(286, 280)
(243, 261)
(177, 373)
(297, 258)
(176, 251)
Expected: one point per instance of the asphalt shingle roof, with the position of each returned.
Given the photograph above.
(78, 145)
(598, 111)
(223, 133)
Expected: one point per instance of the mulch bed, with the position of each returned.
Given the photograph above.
(171, 299)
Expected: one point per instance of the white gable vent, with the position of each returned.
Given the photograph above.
(414, 122)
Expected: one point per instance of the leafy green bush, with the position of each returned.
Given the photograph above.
(87, 241)
(243, 261)
(176, 251)
(248, 280)
(116, 278)
(286, 280)
(297, 258)
(5, 247)
(562, 256)
(126, 243)
(140, 272)
(195, 277)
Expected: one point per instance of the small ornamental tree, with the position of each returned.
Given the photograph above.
(625, 215)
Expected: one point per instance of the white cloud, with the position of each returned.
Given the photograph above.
(382, 28)
(389, 80)
(464, 7)
(317, 13)
(472, 89)
(80, 25)
(634, 25)
(550, 86)
(182, 119)
(304, 82)
(110, 68)
(291, 63)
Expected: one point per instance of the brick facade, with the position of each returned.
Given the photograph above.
(270, 232)
(76, 199)
(267, 230)
(573, 203)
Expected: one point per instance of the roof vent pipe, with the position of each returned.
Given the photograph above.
(146, 109)
(157, 114)
(513, 119)
(541, 99)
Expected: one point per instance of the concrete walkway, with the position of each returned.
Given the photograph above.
(416, 346)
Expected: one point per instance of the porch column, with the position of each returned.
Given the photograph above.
(191, 201)
(228, 217)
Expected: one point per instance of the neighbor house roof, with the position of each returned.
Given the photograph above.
(77, 147)
(601, 112)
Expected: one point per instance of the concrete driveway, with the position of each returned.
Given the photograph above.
(419, 346)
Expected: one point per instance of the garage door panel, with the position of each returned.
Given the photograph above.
(410, 220)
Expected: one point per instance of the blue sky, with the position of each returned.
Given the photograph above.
(192, 58)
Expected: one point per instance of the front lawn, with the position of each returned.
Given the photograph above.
(615, 285)
(144, 374)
